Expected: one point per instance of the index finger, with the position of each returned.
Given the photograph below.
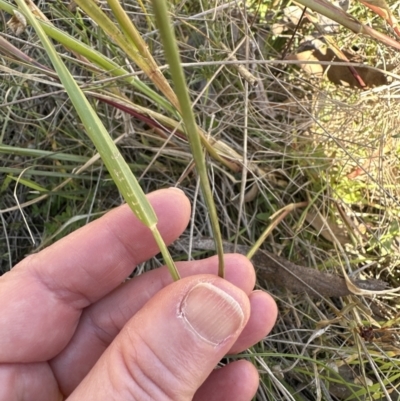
(41, 298)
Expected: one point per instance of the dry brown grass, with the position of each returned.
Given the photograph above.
(297, 138)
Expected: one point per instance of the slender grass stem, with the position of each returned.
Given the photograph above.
(172, 55)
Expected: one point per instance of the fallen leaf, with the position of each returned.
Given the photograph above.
(320, 224)
(314, 69)
(339, 75)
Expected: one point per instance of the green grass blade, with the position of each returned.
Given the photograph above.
(112, 158)
(172, 56)
(129, 30)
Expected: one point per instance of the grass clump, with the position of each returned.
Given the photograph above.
(292, 139)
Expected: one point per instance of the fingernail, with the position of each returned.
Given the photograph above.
(211, 313)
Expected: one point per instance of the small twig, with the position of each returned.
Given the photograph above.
(282, 273)
(242, 70)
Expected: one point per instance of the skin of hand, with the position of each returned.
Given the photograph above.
(72, 328)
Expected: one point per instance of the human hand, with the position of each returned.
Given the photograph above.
(70, 328)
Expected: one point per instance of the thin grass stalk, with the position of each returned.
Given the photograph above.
(144, 61)
(112, 158)
(134, 37)
(129, 29)
(172, 55)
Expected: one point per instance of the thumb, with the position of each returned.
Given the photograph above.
(169, 348)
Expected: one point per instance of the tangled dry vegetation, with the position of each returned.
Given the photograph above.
(320, 154)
